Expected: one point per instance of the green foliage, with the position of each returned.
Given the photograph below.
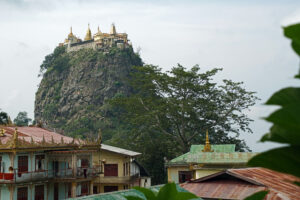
(58, 61)
(182, 104)
(50, 111)
(22, 119)
(4, 118)
(286, 123)
(167, 192)
(258, 195)
(168, 112)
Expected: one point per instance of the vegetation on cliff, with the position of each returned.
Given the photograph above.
(76, 86)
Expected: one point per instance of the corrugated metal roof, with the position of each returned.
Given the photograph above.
(219, 189)
(119, 150)
(222, 154)
(240, 183)
(37, 134)
(224, 148)
(214, 158)
(120, 195)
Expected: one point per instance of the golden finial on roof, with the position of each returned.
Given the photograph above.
(99, 30)
(43, 140)
(71, 33)
(31, 140)
(15, 139)
(52, 140)
(207, 147)
(88, 35)
(2, 132)
(113, 29)
(62, 140)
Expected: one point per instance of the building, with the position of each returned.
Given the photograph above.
(241, 183)
(99, 40)
(40, 164)
(203, 160)
(36, 163)
(120, 170)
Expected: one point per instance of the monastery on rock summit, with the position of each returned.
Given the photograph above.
(99, 40)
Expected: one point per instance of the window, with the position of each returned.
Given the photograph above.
(69, 190)
(39, 192)
(1, 165)
(185, 176)
(110, 188)
(95, 189)
(111, 170)
(39, 162)
(84, 188)
(84, 163)
(55, 191)
(22, 193)
(22, 164)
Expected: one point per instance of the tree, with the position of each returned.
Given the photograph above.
(4, 118)
(182, 104)
(22, 119)
(167, 112)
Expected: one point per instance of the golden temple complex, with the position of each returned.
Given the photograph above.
(99, 40)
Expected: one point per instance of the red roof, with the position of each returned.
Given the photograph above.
(37, 134)
(240, 183)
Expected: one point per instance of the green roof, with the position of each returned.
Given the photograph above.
(120, 195)
(224, 153)
(224, 148)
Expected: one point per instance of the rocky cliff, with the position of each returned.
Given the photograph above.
(76, 86)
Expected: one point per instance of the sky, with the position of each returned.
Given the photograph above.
(244, 38)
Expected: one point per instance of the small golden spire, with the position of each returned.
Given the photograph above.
(113, 29)
(2, 132)
(99, 30)
(71, 33)
(15, 138)
(88, 35)
(207, 147)
(43, 140)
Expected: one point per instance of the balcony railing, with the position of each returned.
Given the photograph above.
(118, 179)
(18, 177)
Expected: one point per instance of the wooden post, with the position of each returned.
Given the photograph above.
(91, 187)
(73, 190)
(74, 164)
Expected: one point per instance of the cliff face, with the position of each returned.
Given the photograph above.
(73, 94)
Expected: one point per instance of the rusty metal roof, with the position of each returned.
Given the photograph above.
(37, 134)
(240, 183)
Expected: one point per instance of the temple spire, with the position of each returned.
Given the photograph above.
(113, 29)
(99, 30)
(71, 33)
(88, 35)
(207, 147)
